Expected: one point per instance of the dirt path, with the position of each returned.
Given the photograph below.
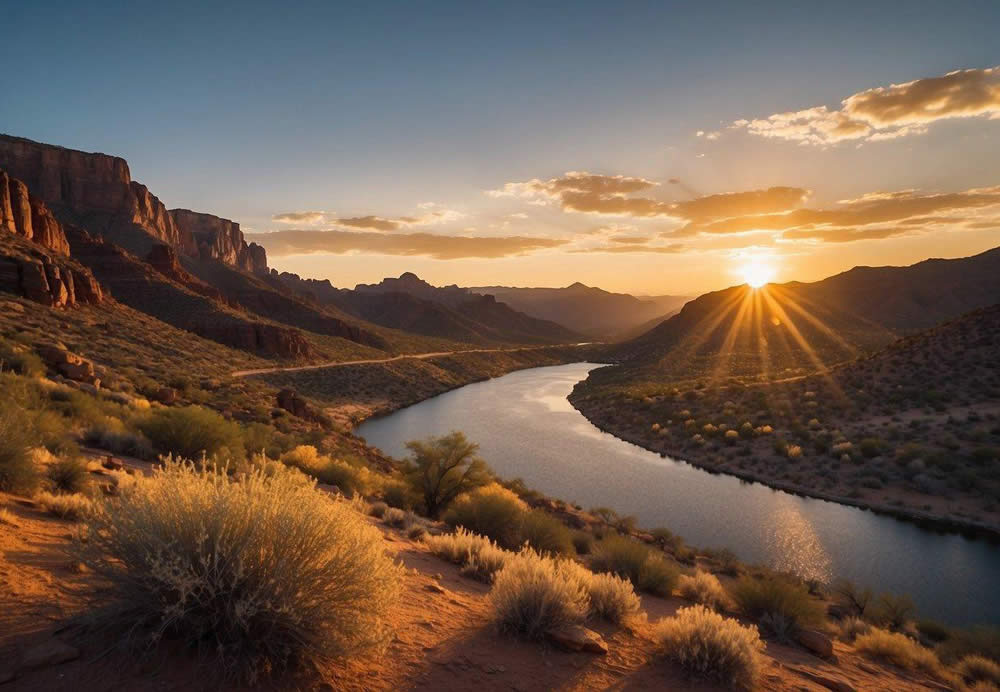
(416, 356)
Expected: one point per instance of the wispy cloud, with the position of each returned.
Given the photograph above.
(891, 112)
(446, 247)
(428, 214)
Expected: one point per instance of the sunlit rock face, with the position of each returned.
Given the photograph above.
(96, 191)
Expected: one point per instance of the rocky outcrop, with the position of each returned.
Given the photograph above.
(260, 337)
(97, 192)
(289, 400)
(34, 255)
(163, 258)
(220, 239)
(67, 364)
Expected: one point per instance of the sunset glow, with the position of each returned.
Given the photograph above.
(756, 271)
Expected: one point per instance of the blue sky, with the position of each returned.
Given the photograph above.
(250, 110)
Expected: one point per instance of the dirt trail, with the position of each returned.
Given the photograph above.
(416, 356)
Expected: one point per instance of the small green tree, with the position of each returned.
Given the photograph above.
(443, 468)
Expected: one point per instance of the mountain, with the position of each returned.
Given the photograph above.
(411, 304)
(585, 309)
(742, 331)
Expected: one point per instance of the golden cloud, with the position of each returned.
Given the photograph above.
(301, 217)
(301, 242)
(579, 191)
(883, 113)
(430, 214)
(873, 215)
(663, 249)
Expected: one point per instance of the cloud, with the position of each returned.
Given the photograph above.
(299, 242)
(578, 191)
(891, 112)
(873, 215)
(708, 135)
(630, 239)
(662, 249)
(430, 213)
(301, 217)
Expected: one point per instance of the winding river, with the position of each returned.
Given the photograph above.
(526, 427)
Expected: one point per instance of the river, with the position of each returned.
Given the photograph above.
(526, 427)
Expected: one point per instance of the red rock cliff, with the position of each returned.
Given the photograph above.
(221, 239)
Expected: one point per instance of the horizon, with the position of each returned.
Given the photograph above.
(467, 152)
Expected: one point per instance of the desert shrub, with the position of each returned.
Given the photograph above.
(892, 611)
(973, 669)
(546, 534)
(491, 511)
(416, 532)
(397, 495)
(857, 598)
(398, 518)
(648, 571)
(263, 573)
(378, 509)
(116, 439)
(72, 507)
(443, 468)
(932, 630)
(531, 595)
(871, 447)
(612, 598)
(17, 469)
(777, 603)
(486, 562)
(192, 431)
(69, 475)
(18, 358)
(703, 588)
(898, 649)
(349, 480)
(583, 542)
(710, 645)
(980, 640)
(852, 627)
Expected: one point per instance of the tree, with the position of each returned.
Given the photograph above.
(443, 468)
(856, 598)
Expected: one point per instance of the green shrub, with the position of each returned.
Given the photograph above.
(892, 611)
(192, 431)
(710, 645)
(546, 534)
(397, 495)
(68, 475)
(583, 542)
(705, 589)
(264, 573)
(532, 595)
(443, 468)
(17, 469)
(349, 480)
(898, 649)
(491, 511)
(777, 603)
(648, 571)
(119, 441)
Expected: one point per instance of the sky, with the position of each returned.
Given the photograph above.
(652, 148)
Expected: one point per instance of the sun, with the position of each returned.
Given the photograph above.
(756, 271)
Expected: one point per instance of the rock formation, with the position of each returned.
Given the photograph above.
(34, 257)
(97, 192)
(221, 239)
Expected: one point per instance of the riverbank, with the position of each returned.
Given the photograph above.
(355, 392)
(936, 513)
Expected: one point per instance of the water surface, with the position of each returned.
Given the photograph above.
(526, 427)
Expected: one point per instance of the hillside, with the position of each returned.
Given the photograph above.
(585, 309)
(783, 329)
(909, 430)
(411, 304)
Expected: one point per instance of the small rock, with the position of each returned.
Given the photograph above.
(49, 653)
(434, 588)
(816, 642)
(577, 638)
(112, 464)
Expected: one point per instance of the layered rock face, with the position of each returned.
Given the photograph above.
(221, 239)
(97, 192)
(39, 269)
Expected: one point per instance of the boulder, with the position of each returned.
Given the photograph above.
(48, 653)
(817, 642)
(577, 638)
(68, 364)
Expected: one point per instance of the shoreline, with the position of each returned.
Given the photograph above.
(925, 520)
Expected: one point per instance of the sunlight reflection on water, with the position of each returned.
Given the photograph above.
(793, 543)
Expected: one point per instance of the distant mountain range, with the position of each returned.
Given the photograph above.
(411, 304)
(587, 310)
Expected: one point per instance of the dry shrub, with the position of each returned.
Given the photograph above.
(378, 509)
(7, 517)
(69, 475)
(532, 595)
(492, 511)
(71, 507)
(898, 649)
(973, 669)
(397, 518)
(18, 473)
(486, 562)
(779, 604)
(853, 627)
(193, 431)
(612, 598)
(710, 645)
(263, 573)
(648, 571)
(349, 480)
(704, 588)
(478, 556)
